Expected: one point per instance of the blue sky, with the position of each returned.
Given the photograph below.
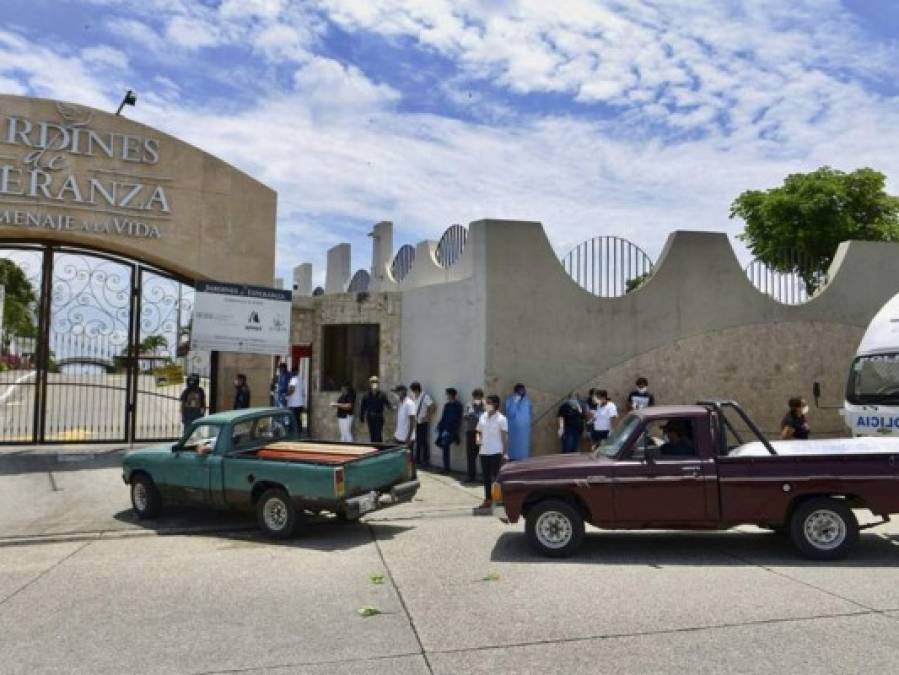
(631, 118)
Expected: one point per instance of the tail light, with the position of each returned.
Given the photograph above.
(339, 485)
(496, 493)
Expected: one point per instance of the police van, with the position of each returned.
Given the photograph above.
(871, 407)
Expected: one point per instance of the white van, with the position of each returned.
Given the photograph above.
(872, 392)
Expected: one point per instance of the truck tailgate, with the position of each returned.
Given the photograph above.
(377, 472)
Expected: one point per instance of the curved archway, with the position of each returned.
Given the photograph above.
(360, 282)
(451, 245)
(607, 266)
(402, 262)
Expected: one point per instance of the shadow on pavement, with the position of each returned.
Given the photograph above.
(323, 533)
(729, 549)
(16, 463)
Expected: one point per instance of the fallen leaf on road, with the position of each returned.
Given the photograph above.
(493, 576)
(368, 611)
(377, 578)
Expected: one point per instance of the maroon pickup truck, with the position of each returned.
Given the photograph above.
(687, 467)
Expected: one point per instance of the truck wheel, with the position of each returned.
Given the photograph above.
(823, 529)
(145, 497)
(554, 528)
(275, 513)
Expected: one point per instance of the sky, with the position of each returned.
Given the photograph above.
(631, 118)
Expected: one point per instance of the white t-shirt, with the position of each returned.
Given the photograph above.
(405, 410)
(491, 428)
(602, 416)
(422, 403)
(298, 398)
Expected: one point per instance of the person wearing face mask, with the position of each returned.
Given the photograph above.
(571, 423)
(473, 411)
(519, 414)
(241, 392)
(604, 416)
(374, 405)
(493, 439)
(641, 397)
(794, 425)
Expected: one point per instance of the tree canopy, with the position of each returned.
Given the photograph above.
(811, 213)
(18, 318)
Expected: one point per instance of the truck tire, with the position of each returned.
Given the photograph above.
(554, 528)
(145, 497)
(823, 528)
(276, 514)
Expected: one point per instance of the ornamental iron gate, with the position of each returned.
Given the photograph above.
(93, 348)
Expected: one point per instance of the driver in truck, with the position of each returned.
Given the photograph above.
(677, 439)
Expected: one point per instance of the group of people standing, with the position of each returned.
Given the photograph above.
(595, 417)
(492, 432)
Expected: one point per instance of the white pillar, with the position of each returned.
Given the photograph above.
(381, 253)
(302, 279)
(337, 276)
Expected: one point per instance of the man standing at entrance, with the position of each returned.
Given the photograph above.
(193, 401)
(374, 404)
(424, 409)
(519, 413)
(296, 396)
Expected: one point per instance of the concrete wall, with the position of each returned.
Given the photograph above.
(544, 330)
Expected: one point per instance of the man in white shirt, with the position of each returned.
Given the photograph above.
(405, 418)
(493, 439)
(296, 396)
(604, 417)
(424, 409)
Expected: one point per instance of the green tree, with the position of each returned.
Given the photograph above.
(811, 213)
(18, 318)
(152, 343)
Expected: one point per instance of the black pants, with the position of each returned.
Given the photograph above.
(422, 444)
(298, 413)
(375, 427)
(471, 450)
(490, 465)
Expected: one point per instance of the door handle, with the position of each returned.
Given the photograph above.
(694, 470)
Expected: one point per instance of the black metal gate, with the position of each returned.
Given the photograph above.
(94, 347)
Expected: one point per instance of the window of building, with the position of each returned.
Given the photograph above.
(349, 355)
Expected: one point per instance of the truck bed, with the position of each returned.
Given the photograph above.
(835, 446)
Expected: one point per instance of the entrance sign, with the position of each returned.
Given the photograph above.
(235, 318)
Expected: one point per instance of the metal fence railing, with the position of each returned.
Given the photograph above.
(607, 266)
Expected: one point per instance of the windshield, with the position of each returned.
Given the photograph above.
(874, 380)
(614, 444)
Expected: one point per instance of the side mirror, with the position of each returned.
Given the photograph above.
(816, 392)
(176, 447)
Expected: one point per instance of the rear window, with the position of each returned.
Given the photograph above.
(261, 431)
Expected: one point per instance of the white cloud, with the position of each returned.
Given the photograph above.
(191, 33)
(105, 56)
(747, 98)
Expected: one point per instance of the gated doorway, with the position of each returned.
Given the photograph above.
(94, 347)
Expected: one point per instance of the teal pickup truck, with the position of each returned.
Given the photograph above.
(254, 459)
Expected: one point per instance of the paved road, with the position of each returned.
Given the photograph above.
(84, 588)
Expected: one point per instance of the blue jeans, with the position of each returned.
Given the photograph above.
(570, 440)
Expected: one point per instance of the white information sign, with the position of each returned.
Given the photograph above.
(233, 318)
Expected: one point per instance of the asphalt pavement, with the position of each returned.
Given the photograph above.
(86, 588)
